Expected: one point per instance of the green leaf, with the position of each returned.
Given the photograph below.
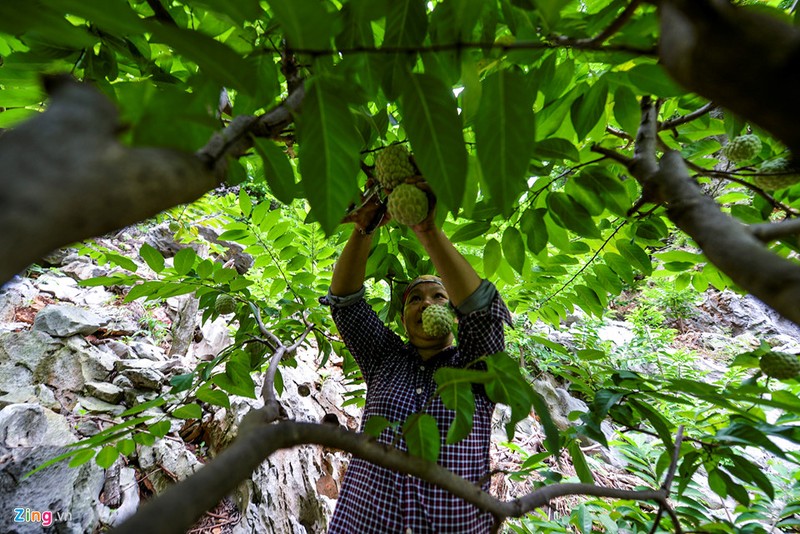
(330, 145)
(659, 422)
(455, 388)
(514, 249)
(188, 411)
(609, 192)
(245, 203)
(579, 462)
(126, 447)
(215, 59)
(406, 26)
(184, 261)
(470, 231)
(504, 135)
(554, 148)
(213, 396)
(159, 429)
(422, 436)
(589, 108)
(376, 424)
(626, 110)
(533, 226)
(747, 471)
(107, 456)
(509, 387)
(492, 255)
(153, 403)
(152, 257)
(634, 255)
(114, 17)
(82, 457)
(434, 128)
(277, 170)
(552, 437)
(181, 382)
(306, 23)
(650, 79)
(571, 215)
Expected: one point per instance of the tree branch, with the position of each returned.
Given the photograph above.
(180, 506)
(768, 232)
(68, 157)
(743, 60)
(612, 28)
(689, 117)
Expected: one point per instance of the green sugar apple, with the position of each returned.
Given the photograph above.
(392, 166)
(780, 365)
(408, 204)
(742, 148)
(777, 174)
(437, 320)
(224, 304)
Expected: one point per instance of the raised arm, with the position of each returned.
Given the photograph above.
(458, 276)
(349, 271)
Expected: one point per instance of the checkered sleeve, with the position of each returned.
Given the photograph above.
(364, 334)
(481, 319)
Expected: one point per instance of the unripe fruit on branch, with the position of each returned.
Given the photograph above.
(224, 304)
(777, 174)
(437, 320)
(392, 166)
(742, 148)
(408, 204)
(780, 365)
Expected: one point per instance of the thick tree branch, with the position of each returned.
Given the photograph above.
(768, 232)
(727, 243)
(689, 117)
(65, 177)
(743, 60)
(179, 507)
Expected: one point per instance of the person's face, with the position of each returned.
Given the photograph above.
(420, 298)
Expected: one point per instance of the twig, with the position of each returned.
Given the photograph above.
(689, 117)
(610, 30)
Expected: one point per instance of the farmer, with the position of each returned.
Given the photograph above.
(399, 380)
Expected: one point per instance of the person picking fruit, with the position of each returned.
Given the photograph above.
(399, 380)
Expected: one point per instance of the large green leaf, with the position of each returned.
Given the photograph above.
(277, 170)
(406, 26)
(307, 23)
(492, 255)
(571, 215)
(589, 108)
(422, 436)
(455, 389)
(504, 133)
(434, 129)
(112, 15)
(514, 249)
(329, 144)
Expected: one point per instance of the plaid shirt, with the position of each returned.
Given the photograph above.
(376, 500)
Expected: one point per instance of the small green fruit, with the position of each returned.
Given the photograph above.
(408, 204)
(776, 174)
(437, 320)
(224, 304)
(392, 166)
(742, 148)
(780, 365)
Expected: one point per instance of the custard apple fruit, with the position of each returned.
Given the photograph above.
(777, 174)
(780, 365)
(408, 204)
(742, 148)
(392, 166)
(437, 320)
(224, 304)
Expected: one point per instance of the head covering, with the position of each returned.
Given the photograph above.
(424, 279)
